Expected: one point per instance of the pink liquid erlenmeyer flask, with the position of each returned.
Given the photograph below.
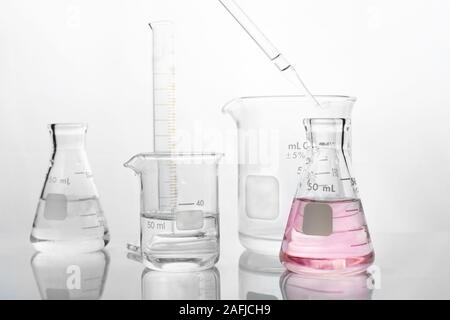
(326, 231)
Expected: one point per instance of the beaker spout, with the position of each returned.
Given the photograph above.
(135, 164)
(232, 108)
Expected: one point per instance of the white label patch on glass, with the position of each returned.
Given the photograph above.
(318, 219)
(55, 207)
(189, 220)
(262, 197)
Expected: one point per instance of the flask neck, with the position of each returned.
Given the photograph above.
(329, 133)
(327, 175)
(68, 136)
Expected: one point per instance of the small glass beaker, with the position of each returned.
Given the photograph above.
(69, 217)
(179, 210)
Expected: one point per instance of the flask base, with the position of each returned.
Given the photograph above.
(68, 247)
(304, 265)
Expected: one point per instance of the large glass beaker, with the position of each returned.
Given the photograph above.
(271, 153)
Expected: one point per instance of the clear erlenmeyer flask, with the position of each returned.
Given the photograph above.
(326, 230)
(69, 217)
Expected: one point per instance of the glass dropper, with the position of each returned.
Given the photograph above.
(266, 46)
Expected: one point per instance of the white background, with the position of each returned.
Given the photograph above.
(90, 61)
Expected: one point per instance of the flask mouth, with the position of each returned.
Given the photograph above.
(68, 135)
(68, 128)
(69, 125)
(328, 133)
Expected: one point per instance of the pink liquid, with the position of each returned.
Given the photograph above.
(346, 248)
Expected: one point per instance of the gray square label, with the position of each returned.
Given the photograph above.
(55, 207)
(318, 219)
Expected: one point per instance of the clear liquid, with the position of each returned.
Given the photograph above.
(69, 226)
(185, 241)
(345, 247)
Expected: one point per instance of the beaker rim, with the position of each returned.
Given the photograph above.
(325, 97)
(328, 103)
(160, 22)
(179, 155)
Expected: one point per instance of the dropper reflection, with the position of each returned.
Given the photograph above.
(70, 277)
(200, 285)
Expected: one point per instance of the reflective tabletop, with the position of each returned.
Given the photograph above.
(407, 266)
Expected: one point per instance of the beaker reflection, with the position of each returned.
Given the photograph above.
(344, 287)
(199, 285)
(259, 276)
(70, 277)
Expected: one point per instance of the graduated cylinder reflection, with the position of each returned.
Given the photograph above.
(199, 285)
(71, 277)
